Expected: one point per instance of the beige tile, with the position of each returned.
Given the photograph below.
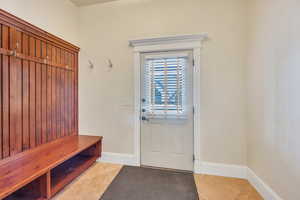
(91, 184)
(222, 188)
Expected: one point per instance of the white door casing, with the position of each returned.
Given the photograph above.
(172, 43)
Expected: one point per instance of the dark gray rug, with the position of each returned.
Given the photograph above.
(135, 183)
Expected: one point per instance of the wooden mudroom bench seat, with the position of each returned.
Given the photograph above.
(41, 172)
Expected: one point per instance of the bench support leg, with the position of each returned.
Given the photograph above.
(45, 185)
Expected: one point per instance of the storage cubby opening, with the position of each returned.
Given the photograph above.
(70, 169)
(60, 172)
(31, 191)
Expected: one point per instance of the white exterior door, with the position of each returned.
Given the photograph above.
(167, 110)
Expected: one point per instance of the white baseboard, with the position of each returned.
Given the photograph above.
(237, 171)
(118, 158)
(234, 171)
(265, 191)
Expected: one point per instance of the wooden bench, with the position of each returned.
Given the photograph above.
(41, 172)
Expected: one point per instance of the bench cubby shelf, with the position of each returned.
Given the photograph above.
(35, 178)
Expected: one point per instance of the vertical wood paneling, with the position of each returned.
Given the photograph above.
(44, 95)
(50, 133)
(25, 94)
(76, 92)
(64, 103)
(67, 91)
(59, 98)
(55, 100)
(68, 99)
(15, 97)
(70, 60)
(63, 86)
(38, 97)
(32, 95)
(38, 103)
(73, 95)
(0, 94)
(5, 94)
(69, 94)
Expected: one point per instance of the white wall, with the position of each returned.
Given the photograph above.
(274, 97)
(59, 17)
(107, 97)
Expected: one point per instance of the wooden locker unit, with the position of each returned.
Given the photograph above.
(38, 82)
(40, 149)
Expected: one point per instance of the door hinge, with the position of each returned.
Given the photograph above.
(193, 63)
(193, 109)
(194, 157)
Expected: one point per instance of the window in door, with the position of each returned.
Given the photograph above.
(165, 85)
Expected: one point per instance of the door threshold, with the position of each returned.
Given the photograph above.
(168, 169)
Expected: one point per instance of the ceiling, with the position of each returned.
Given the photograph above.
(88, 2)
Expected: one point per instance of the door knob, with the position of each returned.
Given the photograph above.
(145, 118)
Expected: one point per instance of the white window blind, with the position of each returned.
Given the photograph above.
(165, 86)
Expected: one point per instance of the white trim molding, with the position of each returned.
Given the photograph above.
(118, 158)
(237, 171)
(171, 43)
(168, 40)
(264, 189)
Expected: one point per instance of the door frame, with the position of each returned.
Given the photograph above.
(172, 43)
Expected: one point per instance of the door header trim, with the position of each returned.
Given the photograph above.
(168, 40)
